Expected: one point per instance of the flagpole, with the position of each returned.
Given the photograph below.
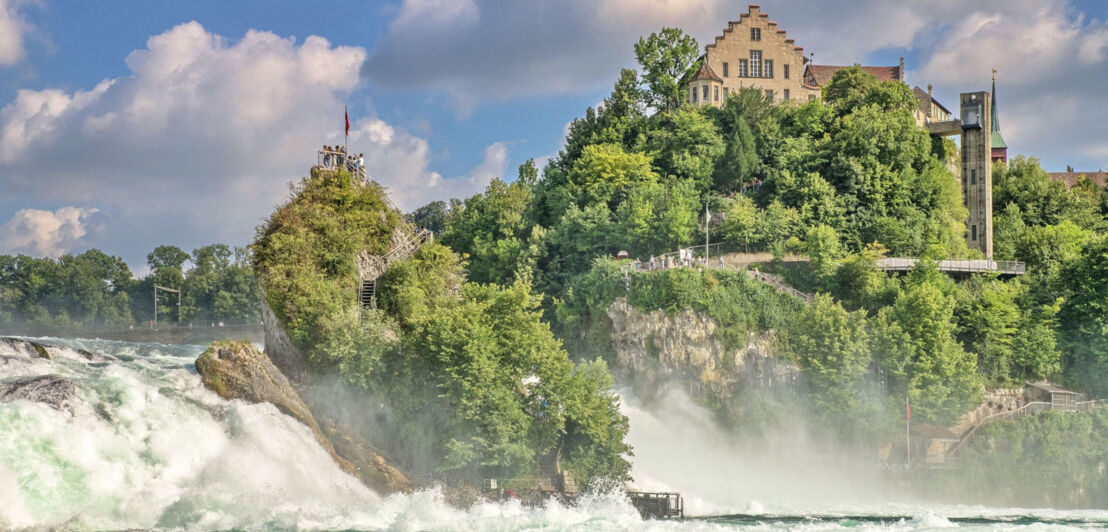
(707, 218)
(908, 431)
(346, 140)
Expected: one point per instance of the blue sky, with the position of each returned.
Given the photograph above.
(128, 124)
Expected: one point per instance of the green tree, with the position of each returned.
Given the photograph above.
(1083, 319)
(833, 347)
(664, 58)
(685, 144)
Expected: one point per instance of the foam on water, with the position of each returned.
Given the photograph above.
(147, 446)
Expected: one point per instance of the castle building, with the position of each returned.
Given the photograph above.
(752, 53)
(928, 110)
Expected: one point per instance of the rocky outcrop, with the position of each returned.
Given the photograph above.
(32, 349)
(237, 370)
(279, 348)
(51, 390)
(653, 347)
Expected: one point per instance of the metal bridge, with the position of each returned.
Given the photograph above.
(1002, 267)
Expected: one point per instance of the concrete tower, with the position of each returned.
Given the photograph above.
(977, 169)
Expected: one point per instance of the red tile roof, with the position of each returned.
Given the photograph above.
(819, 75)
(1071, 178)
(706, 72)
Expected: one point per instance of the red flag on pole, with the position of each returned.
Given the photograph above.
(908, 404)
(344, 112)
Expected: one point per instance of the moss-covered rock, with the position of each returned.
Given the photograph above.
(238, 370)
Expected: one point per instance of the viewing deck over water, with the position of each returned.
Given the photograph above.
(1002, 267)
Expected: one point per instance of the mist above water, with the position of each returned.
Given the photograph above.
(147, 446)
(780, 469)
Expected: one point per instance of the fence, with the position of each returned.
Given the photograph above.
(689, 258)
(1025, 410)
(332, 160)
(1007, 267)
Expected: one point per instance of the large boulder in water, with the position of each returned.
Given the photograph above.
(238, 370)
(51, 390)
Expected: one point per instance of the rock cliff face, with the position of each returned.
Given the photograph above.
(279, 348)
(653, 347)
(237, 370)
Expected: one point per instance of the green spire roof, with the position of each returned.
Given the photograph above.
(998, 140)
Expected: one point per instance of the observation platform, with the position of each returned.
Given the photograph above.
(949, 128)
(1001, 267)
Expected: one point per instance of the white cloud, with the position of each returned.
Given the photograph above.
(13, 28)
(197, 143)
(401, 162)
(45, 233)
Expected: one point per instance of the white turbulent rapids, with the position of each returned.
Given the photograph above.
(147, 446)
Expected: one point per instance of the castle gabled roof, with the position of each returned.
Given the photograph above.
(706, 72)
(925, 100)
(819, 75)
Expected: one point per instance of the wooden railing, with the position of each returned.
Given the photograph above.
(409, 246)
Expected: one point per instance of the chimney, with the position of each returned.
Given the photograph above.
(901, 71)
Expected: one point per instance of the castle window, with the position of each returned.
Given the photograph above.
(755, 34)
(973, 176)
(973, 230)
(744, 71)
(769, 68)
(704, 92)
(715, 93)
(769, 94)
(725, 70)
(786, 72)
(755, 63)
(786, 94)
(693, 95)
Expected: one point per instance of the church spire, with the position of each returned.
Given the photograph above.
(999, 148)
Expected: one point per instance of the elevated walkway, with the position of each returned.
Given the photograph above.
(950, 128)
(1002, 267)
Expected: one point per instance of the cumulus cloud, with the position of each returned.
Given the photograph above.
(45, 233)
(503, 50)
(1052, 67)
(198, 142)
(401, 162)
(12, 30)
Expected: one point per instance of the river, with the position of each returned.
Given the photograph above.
(143, 445)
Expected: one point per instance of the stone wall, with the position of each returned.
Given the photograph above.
(654, 347)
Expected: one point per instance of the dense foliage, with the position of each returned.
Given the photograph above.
(1050, 460)
(94, 290)
(843, 181)
(467, 380)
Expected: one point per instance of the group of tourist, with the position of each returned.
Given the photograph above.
(336, 157)
(684, 258)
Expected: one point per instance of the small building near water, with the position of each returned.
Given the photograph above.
(931, 443)
(1059, 398)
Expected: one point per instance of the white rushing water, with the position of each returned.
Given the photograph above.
(145, 445)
